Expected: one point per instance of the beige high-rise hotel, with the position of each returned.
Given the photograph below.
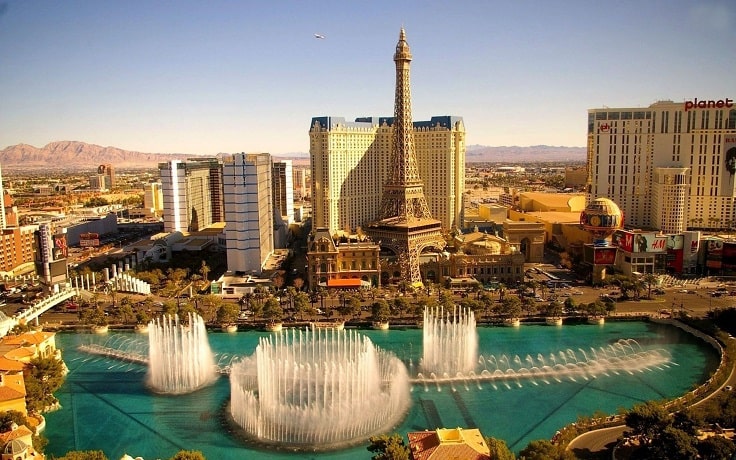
(670, 166)
(350, 164)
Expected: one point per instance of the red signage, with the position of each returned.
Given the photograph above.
(604, 256)
(89, 240)
(708, 104)
(605, 127)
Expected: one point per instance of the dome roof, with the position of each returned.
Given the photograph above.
(601, 217)
(603, 206)
(15, 447)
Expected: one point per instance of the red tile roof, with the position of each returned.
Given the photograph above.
(448, 444)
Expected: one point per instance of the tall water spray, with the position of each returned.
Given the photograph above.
(318, 389)
(450, 341)
(179, 355)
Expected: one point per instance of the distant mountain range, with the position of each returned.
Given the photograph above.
(515, 154)
(73, 155)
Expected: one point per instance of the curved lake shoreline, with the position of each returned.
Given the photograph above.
(105, 404)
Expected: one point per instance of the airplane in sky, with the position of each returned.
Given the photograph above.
(320, 36)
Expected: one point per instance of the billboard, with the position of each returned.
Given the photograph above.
(729, 164)
(728, 255)
(624, 240)
(714, 247)
(604, 256)
(640, 241)
(714, 253)
(675, 242)
(89, 240)
(691, 243)
(60, 248)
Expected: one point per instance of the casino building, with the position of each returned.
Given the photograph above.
(669, 167)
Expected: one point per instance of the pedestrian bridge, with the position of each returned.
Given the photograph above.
(32, 312)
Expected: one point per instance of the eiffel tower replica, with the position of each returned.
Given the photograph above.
(405, 224)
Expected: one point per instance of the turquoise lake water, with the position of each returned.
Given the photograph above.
(106, 405)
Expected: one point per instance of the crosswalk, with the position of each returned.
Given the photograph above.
(673, 280)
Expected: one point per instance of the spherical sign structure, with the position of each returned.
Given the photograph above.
(601, 218)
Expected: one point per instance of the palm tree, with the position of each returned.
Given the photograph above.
(204, 270)
(290, 294)
(298, 283)
(649, 279)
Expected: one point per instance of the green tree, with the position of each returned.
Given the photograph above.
(400, 305)
(142, 317)
(380, 310)
(96, 201)
(649, 280)
(45, 376)
(7, 419)
(301, 303)
(596, 308)
(388, 447)
(272, 310)
(510, 306)
(672, 444)
(84, 455)
(290, 294)
(227, 313)
(554, 309)
(445, 298)
(499, 450)
(647, 420)
(188, 455)
(570, 305)
(543, 449)
(716, 448)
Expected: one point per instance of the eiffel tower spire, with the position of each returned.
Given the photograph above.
(403, 194)
(405, 224)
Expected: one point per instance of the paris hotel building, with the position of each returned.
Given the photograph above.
(350, 162)
(669, 166)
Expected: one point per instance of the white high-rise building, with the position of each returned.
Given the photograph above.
(187, 197)
(247, 194)
(669, 166)
(283, 189)
(350, 163)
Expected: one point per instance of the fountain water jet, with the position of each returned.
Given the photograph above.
(318, 390)
(179, 356)
(450, 342)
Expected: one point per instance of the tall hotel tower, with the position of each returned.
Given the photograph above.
(669, 166)
(351, 161)
(249, 210)
(192, 194)
(283, 189)
(405, 224)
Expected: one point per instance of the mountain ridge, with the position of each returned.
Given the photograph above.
(81, 155)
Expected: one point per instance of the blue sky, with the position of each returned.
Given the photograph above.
(207, 77)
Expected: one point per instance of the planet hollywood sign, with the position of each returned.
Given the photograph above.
(708, 104)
